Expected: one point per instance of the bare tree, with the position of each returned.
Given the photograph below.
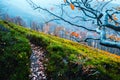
(1, 7)
(18, 20)
(103, 17)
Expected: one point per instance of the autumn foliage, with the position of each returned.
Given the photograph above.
(72, 6)
(114, 17)
(64, 1)
(74, 34)
(114, 38)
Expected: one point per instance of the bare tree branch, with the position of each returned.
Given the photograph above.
(39, 7)
(100, 17)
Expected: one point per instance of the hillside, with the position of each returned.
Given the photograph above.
(67, 60)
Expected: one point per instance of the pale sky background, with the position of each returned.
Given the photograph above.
(22, 4)
(22, 8)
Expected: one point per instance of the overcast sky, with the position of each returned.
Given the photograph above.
(22, 8)
(23, 5)
(18, 7)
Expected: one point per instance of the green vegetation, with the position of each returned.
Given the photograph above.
(14, 55)
(67, 60)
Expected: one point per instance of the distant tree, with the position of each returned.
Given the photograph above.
(0, 13)
(1, 10)
(34, 25)
(18, 20)
(46, 28)
(57, 31)
(40, 27)
(104, 18)
(7, 17)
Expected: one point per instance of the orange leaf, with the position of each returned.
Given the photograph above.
(116, 24)
(115, 18)
(64, 1)
(74, 34)
(72, 6)
(77, 35)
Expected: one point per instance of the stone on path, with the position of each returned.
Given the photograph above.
(37, 67)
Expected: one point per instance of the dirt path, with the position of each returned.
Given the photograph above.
(37, 67)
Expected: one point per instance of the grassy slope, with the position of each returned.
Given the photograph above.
(68, 60)
(14, 55)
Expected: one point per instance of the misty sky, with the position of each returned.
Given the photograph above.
(23, 5)
(23, 9)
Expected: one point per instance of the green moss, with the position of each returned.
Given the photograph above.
(14, 56)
